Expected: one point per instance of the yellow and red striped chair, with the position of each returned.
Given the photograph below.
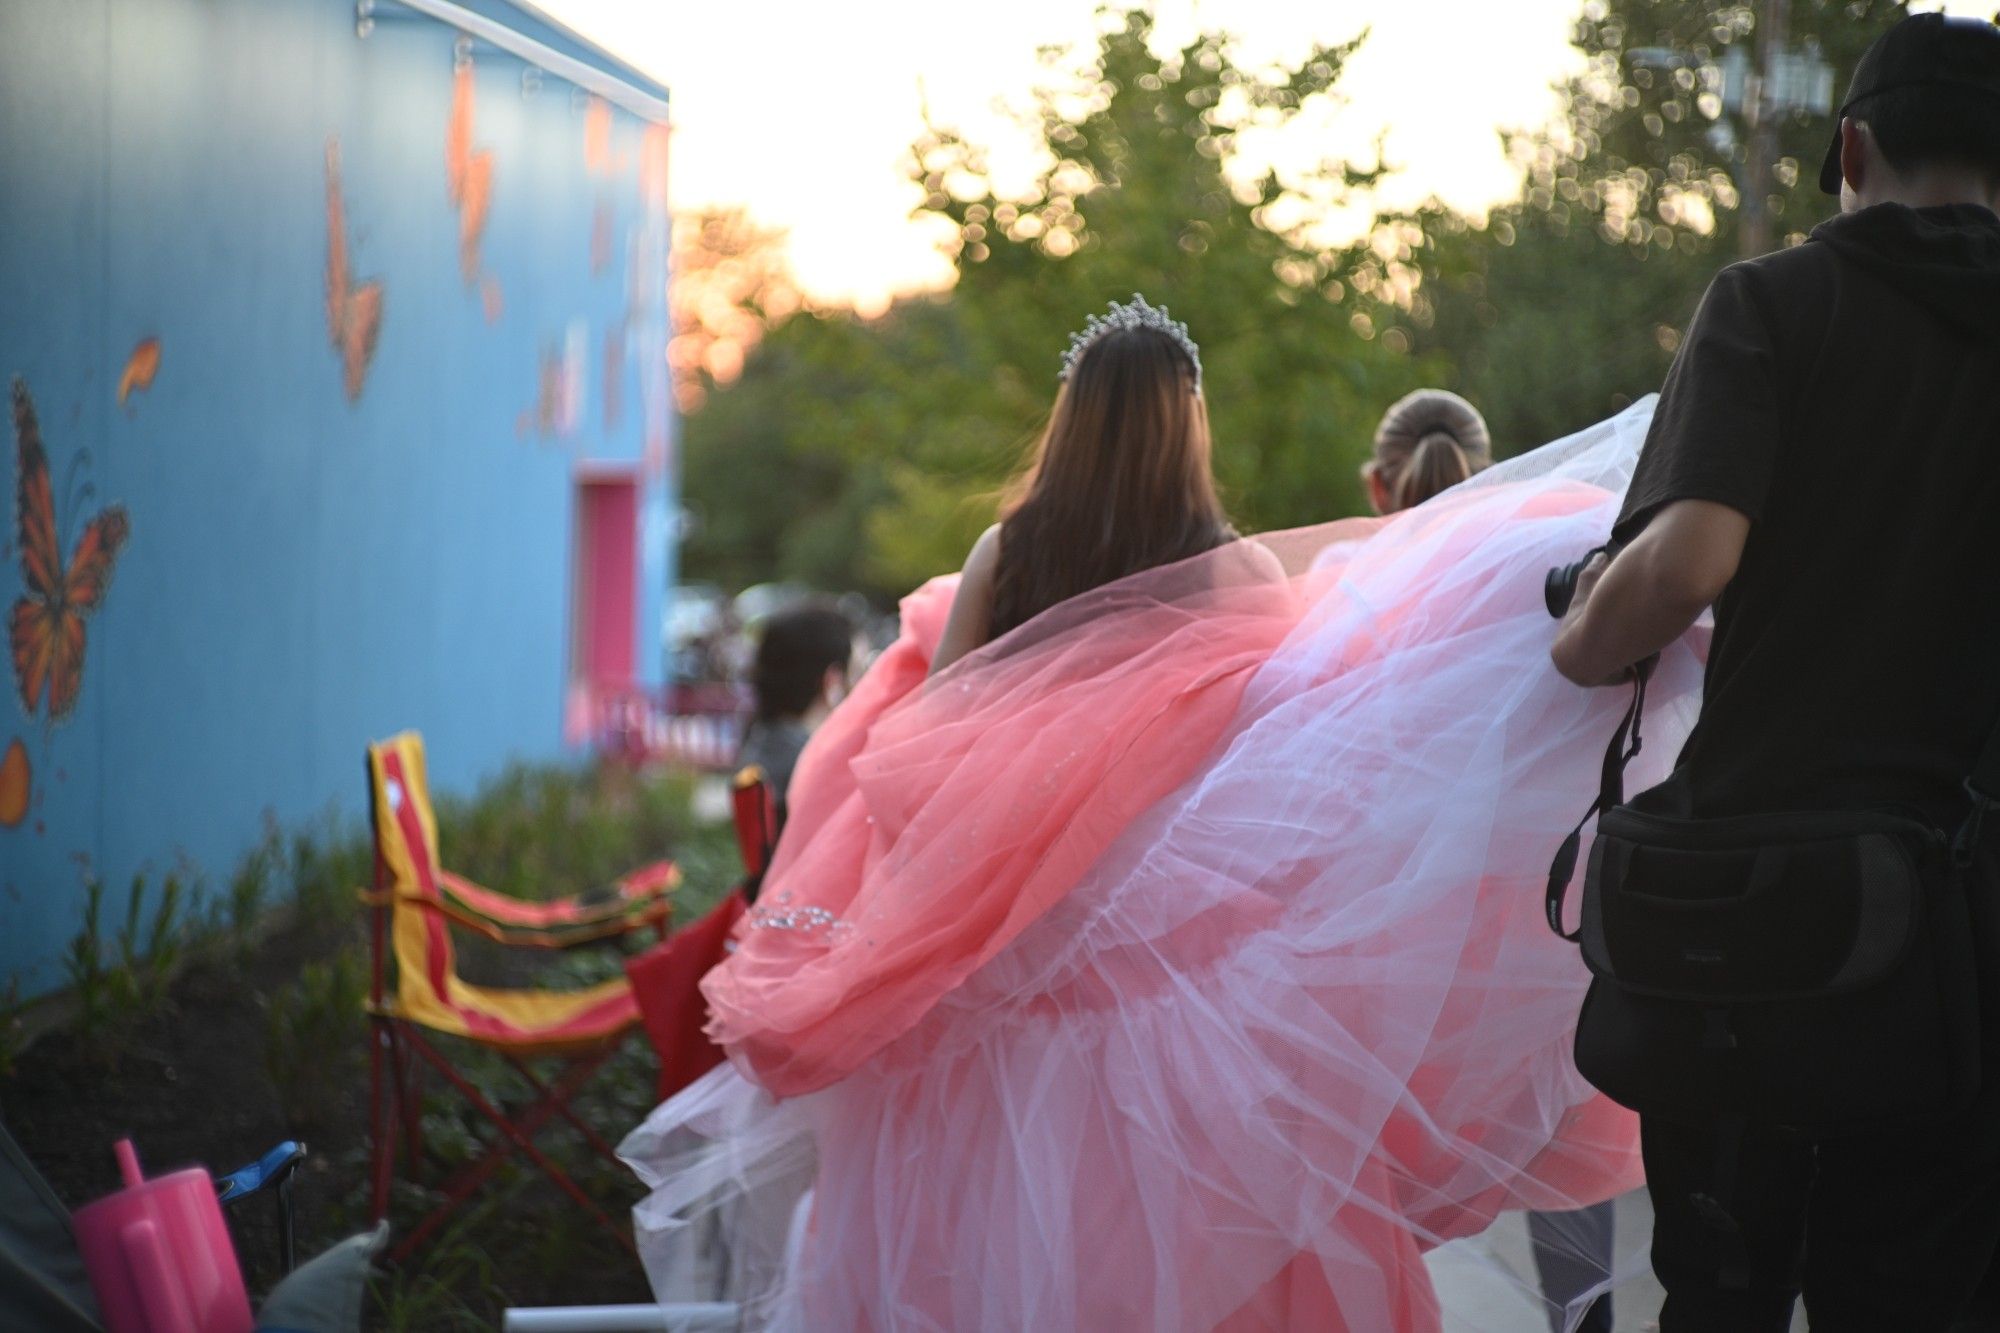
(415, 903)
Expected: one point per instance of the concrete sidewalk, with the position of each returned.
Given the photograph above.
(1478, 1300)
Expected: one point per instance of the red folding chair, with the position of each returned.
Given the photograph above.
(415, 903)
(667, 979)
(756, 811)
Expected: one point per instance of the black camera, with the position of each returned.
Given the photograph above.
(1559, 586)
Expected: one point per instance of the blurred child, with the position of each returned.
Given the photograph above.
(802, 670)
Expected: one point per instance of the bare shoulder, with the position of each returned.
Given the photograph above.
(1264, 560)
(984, 557)
(972, 607)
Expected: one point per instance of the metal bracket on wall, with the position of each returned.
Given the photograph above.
(540, 57)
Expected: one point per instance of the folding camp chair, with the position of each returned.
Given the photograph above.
(415, 903)
(756, 810)
(667, 978)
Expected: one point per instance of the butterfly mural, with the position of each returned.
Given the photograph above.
(45, 631)
(140, 368)
(600, 237)
(16, 784)
(468, 174)
(597, 157)
(353, 310)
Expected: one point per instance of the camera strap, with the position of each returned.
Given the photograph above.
(1624, 747)
(1983, 787)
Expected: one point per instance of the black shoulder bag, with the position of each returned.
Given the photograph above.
(1813, 971)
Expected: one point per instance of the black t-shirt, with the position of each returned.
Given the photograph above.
(1844, 395)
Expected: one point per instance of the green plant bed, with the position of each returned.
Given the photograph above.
(209, 1037)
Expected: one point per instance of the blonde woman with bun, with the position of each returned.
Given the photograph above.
(1428, 442)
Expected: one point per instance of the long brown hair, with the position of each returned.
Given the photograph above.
(1429, 440)
(1119, 481)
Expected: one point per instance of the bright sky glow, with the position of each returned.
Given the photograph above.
(802, 111)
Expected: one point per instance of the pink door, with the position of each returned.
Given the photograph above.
(607, 574)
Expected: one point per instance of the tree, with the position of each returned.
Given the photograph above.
(1568, 302)
(1651, 155)
(880, 445)
(730, 284)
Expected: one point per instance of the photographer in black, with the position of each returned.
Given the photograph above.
(1824, 469)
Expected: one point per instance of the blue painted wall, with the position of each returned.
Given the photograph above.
(304, 572)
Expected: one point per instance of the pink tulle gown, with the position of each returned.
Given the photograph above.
(1176, 961)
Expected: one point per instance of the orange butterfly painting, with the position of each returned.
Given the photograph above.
(597, 157)
(468, 174)
(16, 784)
(653, 168)
(45, 632)
(353, 311)
(140, 368)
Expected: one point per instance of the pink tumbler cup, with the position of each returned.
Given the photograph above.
(159, 1255)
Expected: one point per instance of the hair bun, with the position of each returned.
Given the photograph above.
(1427, 412)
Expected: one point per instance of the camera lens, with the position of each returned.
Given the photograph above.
(1559, 587)
(1559, 584)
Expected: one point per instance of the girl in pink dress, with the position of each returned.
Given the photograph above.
(1156, 942)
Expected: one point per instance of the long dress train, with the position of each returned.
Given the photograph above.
(1177, 961)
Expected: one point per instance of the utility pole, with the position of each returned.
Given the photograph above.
(1763, 113)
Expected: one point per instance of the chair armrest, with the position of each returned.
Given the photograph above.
(263, 1173)
(637, 901)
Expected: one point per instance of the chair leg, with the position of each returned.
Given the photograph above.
(562, 1108)
(411, 1092)
(408, 1108)
(381, 1114)
(518, 1135)
(532, 1119)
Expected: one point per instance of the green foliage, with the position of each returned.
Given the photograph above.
(1546, 327)
(868, 453)
(1650, 154)
(251, 887)
(86, 965)
(540, 832)
(454, 1286)
(148, 953)
(120, 980)
(328, 866)
(1567, 303)
(315, 1035)
(138, 1010)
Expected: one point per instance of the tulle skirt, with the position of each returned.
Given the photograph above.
(1205, 989)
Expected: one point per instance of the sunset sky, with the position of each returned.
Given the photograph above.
(802, 111)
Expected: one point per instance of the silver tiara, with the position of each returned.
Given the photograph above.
(1136, 314)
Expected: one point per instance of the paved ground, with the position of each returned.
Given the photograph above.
(1478, 1301)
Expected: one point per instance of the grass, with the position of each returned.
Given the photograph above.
(315, 1036)
(119, 979)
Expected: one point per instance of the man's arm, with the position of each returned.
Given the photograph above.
(1626, 611)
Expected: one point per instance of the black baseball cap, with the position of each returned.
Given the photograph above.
(1923, 50)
